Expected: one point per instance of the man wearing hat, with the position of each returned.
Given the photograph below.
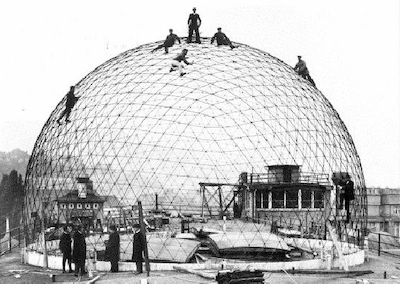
(194, 22)
(112, 248)
(138, 248)
(222, 39)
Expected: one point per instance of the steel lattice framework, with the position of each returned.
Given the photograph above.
(138, 130)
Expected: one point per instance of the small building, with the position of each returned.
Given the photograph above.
(82, 205)
(287, 197)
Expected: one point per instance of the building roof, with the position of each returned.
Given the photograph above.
(72, 196)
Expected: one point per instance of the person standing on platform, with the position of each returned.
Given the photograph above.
(138, 248)
(194, 23)
(112, 248)
(65, 247)
(79, 251)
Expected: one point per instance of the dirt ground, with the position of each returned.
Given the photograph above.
(12, 271)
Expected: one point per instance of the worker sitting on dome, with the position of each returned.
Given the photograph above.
(177, 62)
(169, 41)
(302, 70)
(222, 39)
(194, 23)
(69, 105)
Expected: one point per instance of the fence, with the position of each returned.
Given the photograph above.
(383, 242)
(12, 239)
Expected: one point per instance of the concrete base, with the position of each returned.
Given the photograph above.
(55, 262)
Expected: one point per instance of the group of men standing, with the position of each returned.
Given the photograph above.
(76, 251)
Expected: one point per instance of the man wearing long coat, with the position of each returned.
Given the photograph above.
(138, 248)
(79, 251)
(112, 248)
(65, 247)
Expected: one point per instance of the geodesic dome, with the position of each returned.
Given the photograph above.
(139, 130)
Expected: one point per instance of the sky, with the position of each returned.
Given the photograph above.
(352, 49)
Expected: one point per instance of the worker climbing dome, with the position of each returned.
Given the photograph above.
(241, 136)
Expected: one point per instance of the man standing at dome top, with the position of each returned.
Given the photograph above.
(169, 41)
(194, 23)
(222, 39)
(177, 62)
(69, 105)
(302, 70)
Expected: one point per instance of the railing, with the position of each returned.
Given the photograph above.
(302, 177)
(383, 242)
(10, 240)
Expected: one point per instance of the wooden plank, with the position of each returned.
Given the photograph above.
(206, 275)
(336, 244)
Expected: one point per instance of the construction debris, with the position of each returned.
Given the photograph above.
(230, 277)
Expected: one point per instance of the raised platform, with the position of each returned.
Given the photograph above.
(356, 258)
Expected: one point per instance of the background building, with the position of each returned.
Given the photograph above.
(384, 210)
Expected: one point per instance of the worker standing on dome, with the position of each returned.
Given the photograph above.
(194, 23)
(177, 62)
(222, 39)
(169, 41)
(69, 105)
(302, 70)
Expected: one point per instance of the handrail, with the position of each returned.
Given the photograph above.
(380, 244)
(301, 177)
(15, 232)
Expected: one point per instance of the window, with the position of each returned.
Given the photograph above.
(95, 206)
(292, 198)
(63, 206)
(262, 197)
(396, 229)
(306, 199)
(79, 205)
(318, 199)
(87, 205)
(373, 226)
(265, 199)
(278, 199)
(396, 210)
(258, 199)
(71, 206)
